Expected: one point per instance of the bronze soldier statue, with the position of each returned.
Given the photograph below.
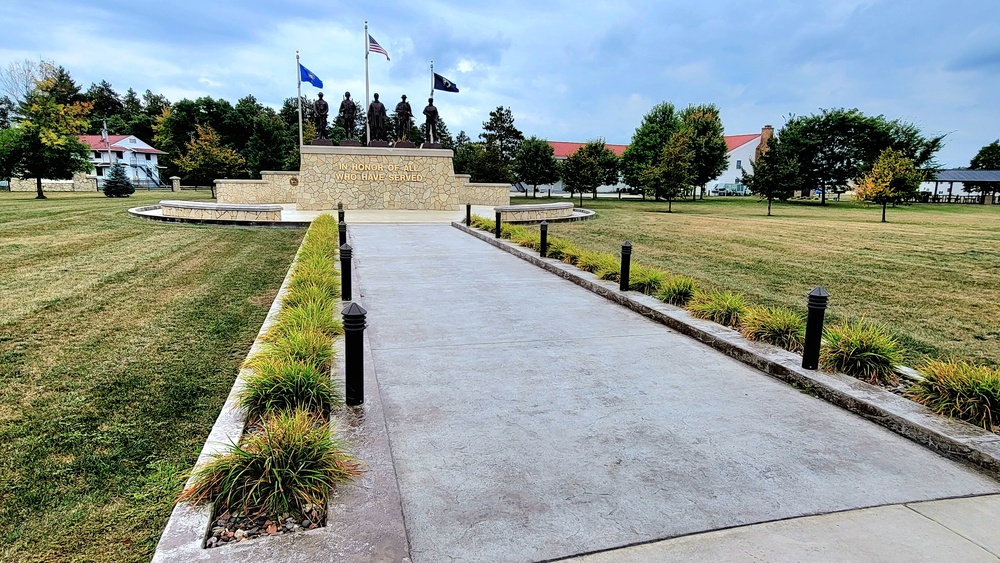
(403, 116)
(321, 109)
(431, 113)
(348, 113)
(377, 118)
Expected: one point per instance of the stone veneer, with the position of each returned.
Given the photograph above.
(273, 187)
(220, 212)
(81, 182)
(388, 178)
(537, 212)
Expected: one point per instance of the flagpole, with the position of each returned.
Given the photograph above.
(368, 126)
(298, 73)
(432, 79)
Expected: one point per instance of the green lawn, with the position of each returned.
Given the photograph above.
(119, 341)
(932, 273)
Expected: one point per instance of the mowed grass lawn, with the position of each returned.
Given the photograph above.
(932, 273)
(119, 341)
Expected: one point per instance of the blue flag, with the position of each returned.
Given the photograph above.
(442, 83)
(307, 76)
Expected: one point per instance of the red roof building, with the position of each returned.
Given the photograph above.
(139, 158)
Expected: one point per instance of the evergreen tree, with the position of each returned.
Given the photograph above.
(502, 139)
(117, 183)
(269, 143)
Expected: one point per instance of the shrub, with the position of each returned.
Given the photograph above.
(319, 272)
(646, 279)
(774, 325)
(116, 183)
(677, 290)
(960, 390)
(293, 462)
(525, 237)
(304, 293)
(309, 347)
(723, 307)
(863, 350)
(286, 387)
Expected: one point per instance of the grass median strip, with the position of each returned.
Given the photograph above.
(119, 342)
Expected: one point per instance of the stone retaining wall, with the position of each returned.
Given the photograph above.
(81, 182)
(537, 212)
(221, 213)
(273, 187)
(485, 194)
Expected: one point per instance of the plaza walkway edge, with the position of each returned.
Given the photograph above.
(953, 438)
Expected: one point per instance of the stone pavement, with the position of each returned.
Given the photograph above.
(530, 419)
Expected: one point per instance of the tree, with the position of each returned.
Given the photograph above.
(6, 112)
(606, 160)
(708, 143)
(674, 172)
(838, 145)
(206, 158)
(20, 78)
(117, 184)
(892, 178)
(581, 172)
(503, 138)
(45, 143)
(775, 174)
(988, 158)
(107, 103)
(535, 164)
(648, 141)
(269, 143)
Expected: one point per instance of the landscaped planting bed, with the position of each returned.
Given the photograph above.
(866, 350)
(278, 476)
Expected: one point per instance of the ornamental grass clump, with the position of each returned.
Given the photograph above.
(863, 350)
(646, 279)
(483, 223)
(308, 347)
(562, 249)
(602, 264)
(775, 325)
(293, 461)
(677, 290)
(276, 387)
(960, 390)
(723, 307)
(308, 316)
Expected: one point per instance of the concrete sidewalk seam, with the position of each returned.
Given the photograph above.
(911, 506)
(952, 438)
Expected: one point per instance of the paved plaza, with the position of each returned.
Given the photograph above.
(530, 420)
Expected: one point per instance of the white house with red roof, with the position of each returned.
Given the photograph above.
(741, 152)
(139, 158)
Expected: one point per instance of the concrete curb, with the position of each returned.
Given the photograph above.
(952, 438)
(364, 518)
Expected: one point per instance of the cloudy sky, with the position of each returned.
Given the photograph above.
(569, 70)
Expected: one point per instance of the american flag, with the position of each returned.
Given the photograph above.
(375, 47)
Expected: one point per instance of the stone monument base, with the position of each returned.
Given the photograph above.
(388, 178)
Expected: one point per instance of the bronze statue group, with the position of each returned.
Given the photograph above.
(378, 121)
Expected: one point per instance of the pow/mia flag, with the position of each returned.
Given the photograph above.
(442, 83)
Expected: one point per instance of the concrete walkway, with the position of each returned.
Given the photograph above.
(530, 419)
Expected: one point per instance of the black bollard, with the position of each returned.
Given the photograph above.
(468, 214)
(626, 265)
(354, 354)
(345, 271)
(543, 247)
(340, 213)
(498, 225)
(816, 304)
(342, 232)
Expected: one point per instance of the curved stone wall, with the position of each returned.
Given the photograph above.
(537, 212)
